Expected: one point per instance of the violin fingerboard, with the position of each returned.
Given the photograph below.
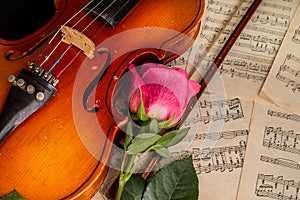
(110, 11)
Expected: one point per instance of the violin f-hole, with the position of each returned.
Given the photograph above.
(88, 91)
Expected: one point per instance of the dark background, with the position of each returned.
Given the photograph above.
(19, 18)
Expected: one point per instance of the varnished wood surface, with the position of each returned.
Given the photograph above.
(46, 157)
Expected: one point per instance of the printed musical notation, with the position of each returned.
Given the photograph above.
(288, 116)
(279, 188)
(216, 110)
(245, 67)
(272, 18)
(237, 67)
(288, 72)
(256, 47)
(277, 138)
(296, 37)
(252, 56)
(285, 72)
(219, 159)
(209, 160)
(284, 162)
(223, 8)
(273, 147)
(218, 135)
(257, 38)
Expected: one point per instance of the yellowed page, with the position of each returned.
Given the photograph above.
(282, 85)
(241, 75)
(248, 63)
(217, 143)
(272, 161)
(246, 66)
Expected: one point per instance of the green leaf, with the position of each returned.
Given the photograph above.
(14, 195)
(142, 142)
(141, 114)
(164, 152)
(134, 188)
(171, 138)
(175, 181)
(144, 127)
(165, 124)
(153, 126)
(129, 134)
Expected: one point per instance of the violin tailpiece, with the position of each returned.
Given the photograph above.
(29, 92)
(111, 12)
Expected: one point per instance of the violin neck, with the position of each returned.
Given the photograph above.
(112, 12)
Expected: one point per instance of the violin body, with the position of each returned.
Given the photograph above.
(61, 151)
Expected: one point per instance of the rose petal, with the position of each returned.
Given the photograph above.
(172, 79)
(165, 91)
(160, 102)
(181, 71)
(137, 80)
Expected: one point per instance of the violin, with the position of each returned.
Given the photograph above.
(57, 124)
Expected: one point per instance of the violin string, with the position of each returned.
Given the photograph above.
(78, 53)
(98, 16)
(54, 49)
(57, 61)
(61, 71)
(99, 31)
(58, 31)
(70, 45)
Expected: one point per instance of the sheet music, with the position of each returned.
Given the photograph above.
(219, 161)
(272, 160)
(250, 59)
(282, 85)
(217, 143)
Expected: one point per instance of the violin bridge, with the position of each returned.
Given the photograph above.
(78, 39)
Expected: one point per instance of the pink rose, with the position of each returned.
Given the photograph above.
(165, 91)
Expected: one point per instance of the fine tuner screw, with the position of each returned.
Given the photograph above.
(30, 89)
(40, 96)
(21, 83)
(11, 78)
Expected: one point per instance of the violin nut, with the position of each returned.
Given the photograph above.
(40, 96)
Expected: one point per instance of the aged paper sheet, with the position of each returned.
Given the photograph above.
(217, 143)
(272, 159)
(282, 85)
(250, 59)
(219, 161)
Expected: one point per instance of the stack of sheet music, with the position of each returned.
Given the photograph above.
(245, 136)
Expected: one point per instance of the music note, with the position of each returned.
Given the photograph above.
(296, 37)
(276, 138)
(276, 187)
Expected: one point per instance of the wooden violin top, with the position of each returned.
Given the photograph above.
(58, 152)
